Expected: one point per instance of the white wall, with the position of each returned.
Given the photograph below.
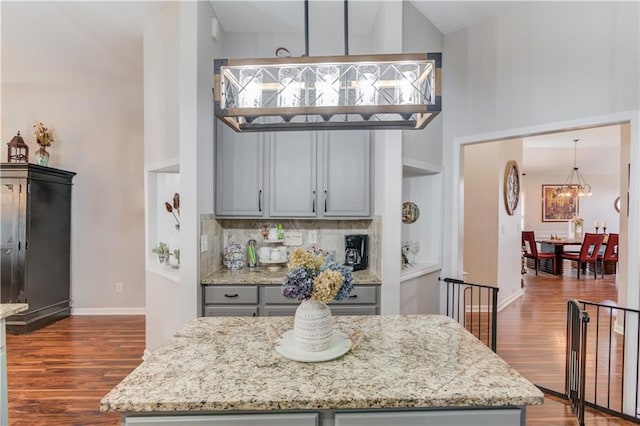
(99, 135)
(162, 144)
(481, 221)
(419, 35)
(181, 35)
(509, 235)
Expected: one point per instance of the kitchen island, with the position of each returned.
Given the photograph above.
(408, 370)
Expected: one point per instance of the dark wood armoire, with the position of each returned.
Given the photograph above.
(35, 242)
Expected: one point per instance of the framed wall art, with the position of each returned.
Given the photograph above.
(557, 207)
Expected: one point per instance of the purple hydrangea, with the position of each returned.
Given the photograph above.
(347, 282)
(298, 284)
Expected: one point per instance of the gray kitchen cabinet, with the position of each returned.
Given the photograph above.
(292, 419)
(35, 264)
(452, 417)
(239, 173)
(230, 301)
(345, 168)
(292, 174)
(267, 300)
(320, 174)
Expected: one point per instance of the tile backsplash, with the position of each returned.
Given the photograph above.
(330, 236)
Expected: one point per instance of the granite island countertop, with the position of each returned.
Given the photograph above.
(8, 309)
(219, 364)
(264, 276)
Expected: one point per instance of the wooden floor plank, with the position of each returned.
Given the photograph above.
(57, 375)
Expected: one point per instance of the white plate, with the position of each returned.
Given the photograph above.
(287, 347)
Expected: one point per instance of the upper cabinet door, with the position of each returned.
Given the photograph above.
(292, 175)
(346, 177)
(240, 173)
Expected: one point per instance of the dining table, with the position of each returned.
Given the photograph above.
(557, 246)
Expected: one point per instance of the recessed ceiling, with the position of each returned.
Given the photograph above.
(598, 152)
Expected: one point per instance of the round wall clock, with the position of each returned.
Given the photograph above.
(511, 187)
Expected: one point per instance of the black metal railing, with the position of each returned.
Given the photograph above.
(471, 304)
(575, 364)
(614, 333)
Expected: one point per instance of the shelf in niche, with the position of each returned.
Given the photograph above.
(418, 269)
(413, 168)
(172, 274)
(423, 184)
(162, 181)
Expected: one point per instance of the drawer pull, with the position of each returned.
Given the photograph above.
(231, 295)
(353, 296)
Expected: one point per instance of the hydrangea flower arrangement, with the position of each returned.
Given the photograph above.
(311, 277)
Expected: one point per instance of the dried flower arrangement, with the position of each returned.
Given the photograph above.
(174, 209)
(312, 277)
(44, 135)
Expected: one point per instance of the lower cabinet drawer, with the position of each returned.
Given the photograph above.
(273, 296)
(361, 294)
(230, 311)
(279, 310)
(231, 294)
(353, 310)
(306, 419)
(453, 417)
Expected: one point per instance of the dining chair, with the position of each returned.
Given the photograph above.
(588, 252)
(531, 250)
(610, 253)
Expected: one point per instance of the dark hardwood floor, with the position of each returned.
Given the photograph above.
(57, 375)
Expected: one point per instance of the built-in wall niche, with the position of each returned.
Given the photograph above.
(162, 182)
(422, 184)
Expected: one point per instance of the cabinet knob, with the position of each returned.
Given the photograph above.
(260, 200)
(325, 200)
(231, 295)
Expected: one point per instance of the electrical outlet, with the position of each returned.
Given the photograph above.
(204, 243)
(119, 287)
(313, 237)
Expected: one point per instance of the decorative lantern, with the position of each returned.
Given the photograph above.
(18, 151)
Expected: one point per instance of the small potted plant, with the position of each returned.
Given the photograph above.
(162, 250)
(176, 254)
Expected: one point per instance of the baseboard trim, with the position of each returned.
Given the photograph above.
(510, 299)
(107, 311)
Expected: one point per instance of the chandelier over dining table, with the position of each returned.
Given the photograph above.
(575, 184)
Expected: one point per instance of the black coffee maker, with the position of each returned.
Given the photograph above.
(356, 251)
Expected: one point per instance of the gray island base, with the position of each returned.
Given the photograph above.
(408, 370)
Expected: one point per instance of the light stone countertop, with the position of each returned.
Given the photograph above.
(217, 364)
(262, 275)
(8, 309)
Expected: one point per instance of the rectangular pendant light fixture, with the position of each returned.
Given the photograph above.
(333, 92)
